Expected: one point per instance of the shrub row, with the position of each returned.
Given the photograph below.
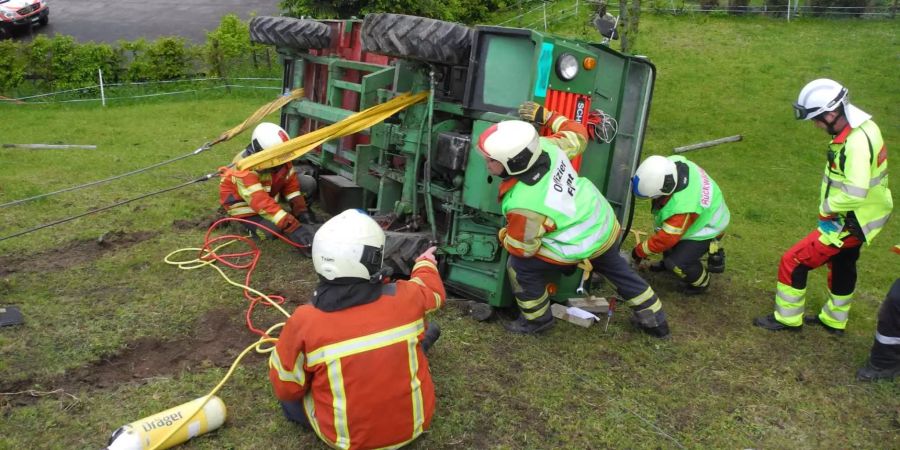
(60, 62)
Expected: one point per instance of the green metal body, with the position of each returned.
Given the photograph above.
(402, 165)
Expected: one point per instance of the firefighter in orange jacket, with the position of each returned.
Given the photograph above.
(351, 366)
(253, 195)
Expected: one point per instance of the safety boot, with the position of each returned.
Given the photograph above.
(770, 323)
(659, 330)
(872, 373)
(432, 333)
(524, 326)
(814, 320)
(689, 289)
(715, 262)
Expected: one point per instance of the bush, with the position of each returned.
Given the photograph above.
(844, 7)
(776, 7)
(709, 5)
(12, 65)
(738, 6)
(465, 11)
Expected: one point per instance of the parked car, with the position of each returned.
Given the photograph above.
(21, 14)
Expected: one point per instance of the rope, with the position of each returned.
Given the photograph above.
(94, 211)
(250, 121)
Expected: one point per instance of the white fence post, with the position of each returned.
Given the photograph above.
(102, 94)
(544, 4)
(576, 7)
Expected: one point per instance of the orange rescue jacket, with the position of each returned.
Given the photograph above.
(360, 372)
(246, 193)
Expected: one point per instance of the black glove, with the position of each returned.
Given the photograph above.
(304, 236)
(308, 217)
(635, 257)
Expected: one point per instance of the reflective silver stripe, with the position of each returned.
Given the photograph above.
(339, 403)
(887, 340)
(877, 180)
(575, 231)
(788, 297)
(253, 188)
(641, 298)
(292, 195)
(839, 302)
(365, 343)
(840, 316)
(875, 224)
(716, 224)
(788, 312)
(293, 376)
(826, 207)
(851, 190)
(415, 387)
(585, 244)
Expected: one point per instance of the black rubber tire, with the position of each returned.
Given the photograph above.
(417, 38)
(44, 20)
(290, 32)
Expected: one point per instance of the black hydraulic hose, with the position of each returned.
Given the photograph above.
(123, 175)
(123, 202)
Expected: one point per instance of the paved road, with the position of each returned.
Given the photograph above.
(109, 21)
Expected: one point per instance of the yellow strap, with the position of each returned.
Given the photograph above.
(264, 111)
(586, 266)
(355, 123)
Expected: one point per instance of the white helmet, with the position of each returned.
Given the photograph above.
(655, 177)
(266, 135)
(349, 245)
(513, 143)
(819, 96)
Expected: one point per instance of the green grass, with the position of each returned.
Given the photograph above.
(720, 383)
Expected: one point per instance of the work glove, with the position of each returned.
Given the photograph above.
(428, 255)
(304, 236)
(534, 113)
(289, 224)
(830, 224)
(298, 205)
(307, 217)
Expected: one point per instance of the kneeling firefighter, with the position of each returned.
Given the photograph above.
(556, 219)
(689, 215)
(253, 195)
(351, 365)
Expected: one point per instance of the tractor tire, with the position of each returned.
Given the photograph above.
(417, 38)
(290, 32)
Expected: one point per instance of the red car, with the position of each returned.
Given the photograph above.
(22, 13)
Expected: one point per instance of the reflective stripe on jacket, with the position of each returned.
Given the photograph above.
(584, 221)
(247, 192)
(360, 372)
(701, 196)
(856, 180)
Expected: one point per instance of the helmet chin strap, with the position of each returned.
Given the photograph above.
(382, 273)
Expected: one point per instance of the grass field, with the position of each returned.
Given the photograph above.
(126, 335)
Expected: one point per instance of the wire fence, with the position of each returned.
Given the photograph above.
(103, 93)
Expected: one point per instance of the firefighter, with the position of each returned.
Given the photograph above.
(854, 205)
(254, 194)
(556, 219)
(351, 365)
(884, 359)
(689, 215)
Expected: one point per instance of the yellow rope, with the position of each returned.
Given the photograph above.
(355, 123)
(263, 111)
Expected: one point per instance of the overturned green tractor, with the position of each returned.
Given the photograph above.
(419, 172)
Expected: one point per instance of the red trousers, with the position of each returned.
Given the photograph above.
(810, 253)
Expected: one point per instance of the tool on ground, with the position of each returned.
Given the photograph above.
(705, 144)
(51, 146)
(178, 423)
(10, 315)
(609, 312)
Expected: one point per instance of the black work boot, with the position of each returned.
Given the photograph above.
(660, 330)
(872, 373)
(690, 289)
(432, 333)
(770, 323)
(814, 320)
(715, 262)
(524, 326)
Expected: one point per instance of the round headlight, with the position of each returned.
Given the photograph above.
(566, 67)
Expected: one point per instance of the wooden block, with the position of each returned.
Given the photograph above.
(596, 305)
(559, 311)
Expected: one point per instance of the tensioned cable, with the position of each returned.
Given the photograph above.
(94, 211)
(255, 117)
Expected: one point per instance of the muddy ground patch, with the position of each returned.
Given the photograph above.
(218, 337)
(74, 253)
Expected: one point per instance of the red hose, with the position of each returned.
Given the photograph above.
(231, 260)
